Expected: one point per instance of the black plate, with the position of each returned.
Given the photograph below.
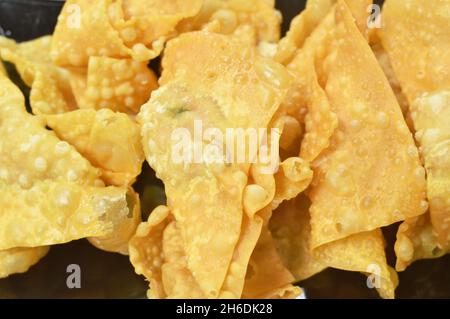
(107, 275)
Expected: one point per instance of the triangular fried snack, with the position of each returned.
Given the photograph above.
(35, 164)
(50, 92)
(230, 85)
(267, 276)
(421, 62)
(109, 140)
(123, 29)
(251, 21)
(362, 252)
(118, 84)
(371, 151)
(305, 23)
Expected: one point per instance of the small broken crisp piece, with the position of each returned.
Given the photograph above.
(251, 21)
(46, 97)
(117, 84)
(50, 92)
(19, 260)
(123, 29)
(109, 140)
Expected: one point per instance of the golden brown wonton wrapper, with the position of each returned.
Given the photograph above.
(419, 59)
(231, 84)
(251, 21)
(421, 62)
(59, 211)
(385, 63)
(291, 230)
(157, 252)
(266, 275)
(123, 29)
(363, 252)
(118, 84)
(304, 24)
(50, 86)
(110, 141)
(350, 202)
(47, 177)
(19, 260)
(355, 201)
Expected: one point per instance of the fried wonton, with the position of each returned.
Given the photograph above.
(19, 260)
(230, 84)
(156, 251)
(307, 100)
(357, 162)
(123, 29)
(371, 135)
(251, 21)
(305, 23)
(420, 59)
(50, 183)
(59, 211)
(110, 141)
(51, 92)
(29, 152)
(117, 84)
(416, 239)
(291, 230)
(421, 62)
(431, 115)
(362, 252)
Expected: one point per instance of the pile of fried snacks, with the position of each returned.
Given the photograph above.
(280, 157)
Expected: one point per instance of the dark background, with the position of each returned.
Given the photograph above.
(107, 275)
